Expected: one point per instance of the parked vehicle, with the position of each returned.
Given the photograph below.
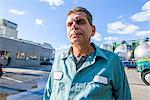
(143, 66)
(129, 64)
(142, 54)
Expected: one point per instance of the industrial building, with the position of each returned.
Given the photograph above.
(22, 52)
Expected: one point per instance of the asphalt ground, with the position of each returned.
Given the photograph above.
(23, 83)
(29, 83)
(139, 90)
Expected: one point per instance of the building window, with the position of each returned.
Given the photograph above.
(1, 30)
(41, 58)
(4, 54)
(20, 55)
(32, 56)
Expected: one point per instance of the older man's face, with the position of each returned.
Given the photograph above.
(79, 30)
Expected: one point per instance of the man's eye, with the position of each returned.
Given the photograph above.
(81, 22)
(69, 24)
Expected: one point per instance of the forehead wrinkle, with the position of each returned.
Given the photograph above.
(75, 18)
(78, 15)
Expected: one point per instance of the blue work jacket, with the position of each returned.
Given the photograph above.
(101, 77)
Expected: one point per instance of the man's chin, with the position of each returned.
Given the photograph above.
(76, 43)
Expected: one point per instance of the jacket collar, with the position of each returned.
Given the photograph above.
(98, 53)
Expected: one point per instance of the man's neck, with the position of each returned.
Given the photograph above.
(79, 50)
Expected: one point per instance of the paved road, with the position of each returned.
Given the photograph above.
(23, 83)
(139, 90)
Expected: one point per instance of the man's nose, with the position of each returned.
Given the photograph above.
(75, 25)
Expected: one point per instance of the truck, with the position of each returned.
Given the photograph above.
(142, 56)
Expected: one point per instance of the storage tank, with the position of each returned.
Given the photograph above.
(123, 51)
(143, 50)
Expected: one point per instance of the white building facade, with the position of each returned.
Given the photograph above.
(22, 52)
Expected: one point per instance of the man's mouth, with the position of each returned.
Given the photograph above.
(75, 34)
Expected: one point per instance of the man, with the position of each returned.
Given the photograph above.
(85, 72)
(8, 61)
(1, 71)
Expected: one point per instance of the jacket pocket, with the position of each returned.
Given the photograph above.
(88, 91)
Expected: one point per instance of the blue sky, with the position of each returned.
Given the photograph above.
(44, 20)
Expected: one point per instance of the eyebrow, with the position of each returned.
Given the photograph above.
(78, 21)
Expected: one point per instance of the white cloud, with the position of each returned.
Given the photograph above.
(97, 37)
(110, 39)
(146, 6)
(143, 33)
(144, 15)
(62, 47)
(54, 3)
(74, 1)
(141, 16)
(17, 12)
(39, 22)
(119, 17)
(121, 28)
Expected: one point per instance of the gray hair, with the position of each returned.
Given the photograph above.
(81, 9)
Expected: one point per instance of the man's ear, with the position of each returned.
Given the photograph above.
(93, 30)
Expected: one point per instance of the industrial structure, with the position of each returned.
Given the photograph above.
(19, 52)
(134, 54)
